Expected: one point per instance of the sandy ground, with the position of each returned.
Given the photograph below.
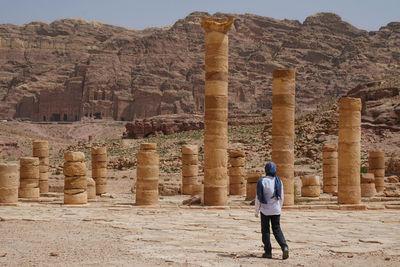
(113, 232)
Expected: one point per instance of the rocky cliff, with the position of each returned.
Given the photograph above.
(70, 69)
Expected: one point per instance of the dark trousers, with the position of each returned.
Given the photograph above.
(276, 230)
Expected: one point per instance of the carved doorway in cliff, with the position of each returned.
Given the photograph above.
(55, 117)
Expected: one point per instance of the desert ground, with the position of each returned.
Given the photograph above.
(112, 231)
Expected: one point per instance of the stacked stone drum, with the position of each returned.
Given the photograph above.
(349, 190)
(190, 168)
(147, 175)
(9, 183)
(99, 169)
(310, 186)
(75, 184)
(41, 151)
(91, 188)
(329, 167)
(29, 178)
(367, 185)
(376, 165)
(251, 186)
(283, 105)
(216, 110)
(236, 173)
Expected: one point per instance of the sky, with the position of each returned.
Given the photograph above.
(364, 14)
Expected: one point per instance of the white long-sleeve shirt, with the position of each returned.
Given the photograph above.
(274, 206)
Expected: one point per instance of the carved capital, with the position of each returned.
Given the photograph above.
(211, 24)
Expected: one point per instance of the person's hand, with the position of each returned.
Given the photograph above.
(256, 215)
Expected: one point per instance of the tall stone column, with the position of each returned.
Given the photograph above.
(349, 190)
(329, 167)
(40, 149)
(283, 105)
(147, 174)
(376, 165)
(216, 110)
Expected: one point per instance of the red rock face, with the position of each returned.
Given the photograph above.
(80, 69)
(380, 103)
(163, 125)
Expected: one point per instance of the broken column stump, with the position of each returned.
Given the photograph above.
(251, 186)
(75, 183)
(9, 182)
(310, 186)
(329, 168)
(367, 185)
(40, 149)
(216, 110)
(376, 165)
(29, 178)
(190, 168)
(91, 188)
(236, 173)
(349, 190)
(283, 106)
(99, 169)
(147, 175)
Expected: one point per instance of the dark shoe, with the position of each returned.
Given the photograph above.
(285, 253)
(267, 255)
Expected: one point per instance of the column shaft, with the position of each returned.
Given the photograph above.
(349, 190)
(147, 174)
(216, 110)
(283, 105)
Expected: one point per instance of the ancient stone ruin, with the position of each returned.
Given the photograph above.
(216, 110)
(41, 150)
(75, 184)
(9, 182)
(163, 125)
(349, 191)
(237, 172)
(329, 168)
(283, 105)
(310, 186)
(376, 165)
(29, 178)
(367, 185)
(251, 186)
(99, 169)
(91, 188)
(147, 174)
(190, 168)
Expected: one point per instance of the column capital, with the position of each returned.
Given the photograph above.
(210, 24)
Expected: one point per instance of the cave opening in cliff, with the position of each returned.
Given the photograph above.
(97, 115)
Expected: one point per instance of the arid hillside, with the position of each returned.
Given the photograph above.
(70, 69)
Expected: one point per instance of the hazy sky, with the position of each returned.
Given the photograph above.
(364, 14)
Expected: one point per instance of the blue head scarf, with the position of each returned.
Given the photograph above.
(270, 170)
